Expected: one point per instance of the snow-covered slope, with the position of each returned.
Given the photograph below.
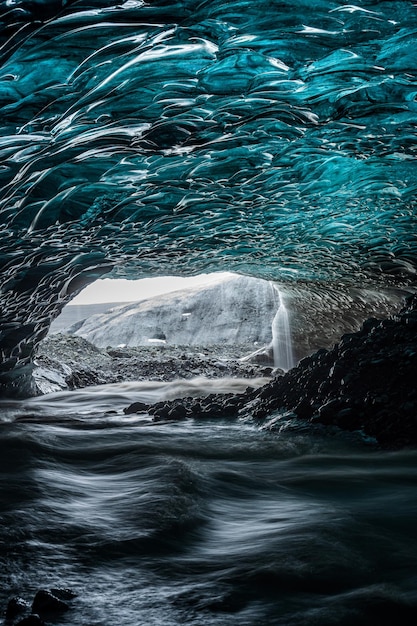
(234, 310)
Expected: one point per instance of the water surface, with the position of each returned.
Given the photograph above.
(201, 522)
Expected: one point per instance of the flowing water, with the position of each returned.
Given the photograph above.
(202, 522)
(281, 335)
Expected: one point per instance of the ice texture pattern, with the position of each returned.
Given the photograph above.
(275, 139)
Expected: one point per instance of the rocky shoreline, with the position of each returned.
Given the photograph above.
(366, 383)
(69, 362)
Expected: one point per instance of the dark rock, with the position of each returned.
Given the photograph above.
(63, 593)
(178, 412)
(136, 407)
(46, 604)
(31, 620)
(119, 354)
(328, 411)
(410, 303)
(303, 409)
(229, 408)
(348, 419)
(266, 392)
(366, 382)
(83, 378)
(15, 607)
(160, 410)
(336, 372)
(410, 319)
(215, 408)
(195, 408)
(212, 406)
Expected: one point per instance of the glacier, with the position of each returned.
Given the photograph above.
(273, 139)
(240, 311)
(234, 310)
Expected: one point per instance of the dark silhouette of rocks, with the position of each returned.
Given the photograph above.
(48, 604)
(31, 620)
(366, 382)
(15, 607)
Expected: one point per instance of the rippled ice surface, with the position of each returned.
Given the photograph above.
(203, 523)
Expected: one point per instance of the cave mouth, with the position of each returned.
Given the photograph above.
(207, 310)
(185, 327)
(220, 308)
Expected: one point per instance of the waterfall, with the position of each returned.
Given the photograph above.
(281, 335)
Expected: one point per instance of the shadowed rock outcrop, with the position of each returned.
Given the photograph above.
(365, 383)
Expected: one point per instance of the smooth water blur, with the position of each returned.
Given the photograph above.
(203, 523)
(281, 336)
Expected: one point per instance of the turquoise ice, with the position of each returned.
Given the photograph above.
(276, 139)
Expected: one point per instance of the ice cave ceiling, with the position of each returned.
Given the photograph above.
(274, 138)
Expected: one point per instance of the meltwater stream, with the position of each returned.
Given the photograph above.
(281, 335)
(202, 523)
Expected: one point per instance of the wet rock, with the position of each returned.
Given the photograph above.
(212, 406)
(160, 410)
(31, 620)
(266, 392)
(303, 409)
(136, 407)
(366, 382)
(178, 412)
(329, 410)
(16, 606)
(63, 593)
(47, 604)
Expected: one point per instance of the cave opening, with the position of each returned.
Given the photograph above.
(218, 317)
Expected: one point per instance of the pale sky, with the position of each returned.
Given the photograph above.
(120, 290)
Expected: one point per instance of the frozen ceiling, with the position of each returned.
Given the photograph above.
(273, 138)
